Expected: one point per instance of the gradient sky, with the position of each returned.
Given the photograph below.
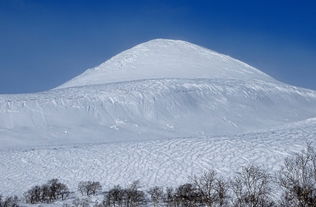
(45, 43)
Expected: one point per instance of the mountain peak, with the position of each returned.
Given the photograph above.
(166, 58)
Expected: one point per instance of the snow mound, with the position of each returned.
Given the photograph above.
(163, 58)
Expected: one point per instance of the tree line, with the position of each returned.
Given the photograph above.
(294, 185)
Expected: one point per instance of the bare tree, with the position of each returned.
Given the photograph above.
(186, 195)
(252, 188)
(213, 190)
(33, 195)
(156, 195)
(114, 197)
(89, 188)
(49, 192)
(133, 196)
(298, 179)
(169, 197)
(57, 190)
(11, 201)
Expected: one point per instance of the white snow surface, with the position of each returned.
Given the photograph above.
(166, 162)
(159, 112)
(149, 109)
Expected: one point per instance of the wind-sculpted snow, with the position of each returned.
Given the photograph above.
(160, 162)
(162, 58)
(149, 109)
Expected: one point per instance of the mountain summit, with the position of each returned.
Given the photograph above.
(164, 58)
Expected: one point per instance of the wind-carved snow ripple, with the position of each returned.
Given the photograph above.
(160, 162)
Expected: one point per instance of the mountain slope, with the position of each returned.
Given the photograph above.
(149, 109)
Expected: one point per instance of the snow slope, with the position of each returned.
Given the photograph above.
(161, 88)
(149, 109)
(160, 162)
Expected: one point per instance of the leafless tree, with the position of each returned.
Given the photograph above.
(133, 196)
(156, 195)
(252, 188)
(89, 188)
(213, 190)
(49, 192)
(187, 196)
(33, 195)
(169, 197)
(11, 201)
(57, 190)
(297, 178)
(114, 197)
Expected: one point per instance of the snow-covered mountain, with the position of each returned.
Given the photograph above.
(158, 89)
(161, 59)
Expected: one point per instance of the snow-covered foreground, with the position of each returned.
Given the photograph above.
(160, 162)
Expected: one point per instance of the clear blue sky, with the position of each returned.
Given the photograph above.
(45, 43)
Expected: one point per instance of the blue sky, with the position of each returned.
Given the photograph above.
(45, 43)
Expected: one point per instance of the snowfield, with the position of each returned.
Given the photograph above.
(160, 162)
(159, 112)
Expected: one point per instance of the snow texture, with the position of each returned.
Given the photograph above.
(167, 162)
